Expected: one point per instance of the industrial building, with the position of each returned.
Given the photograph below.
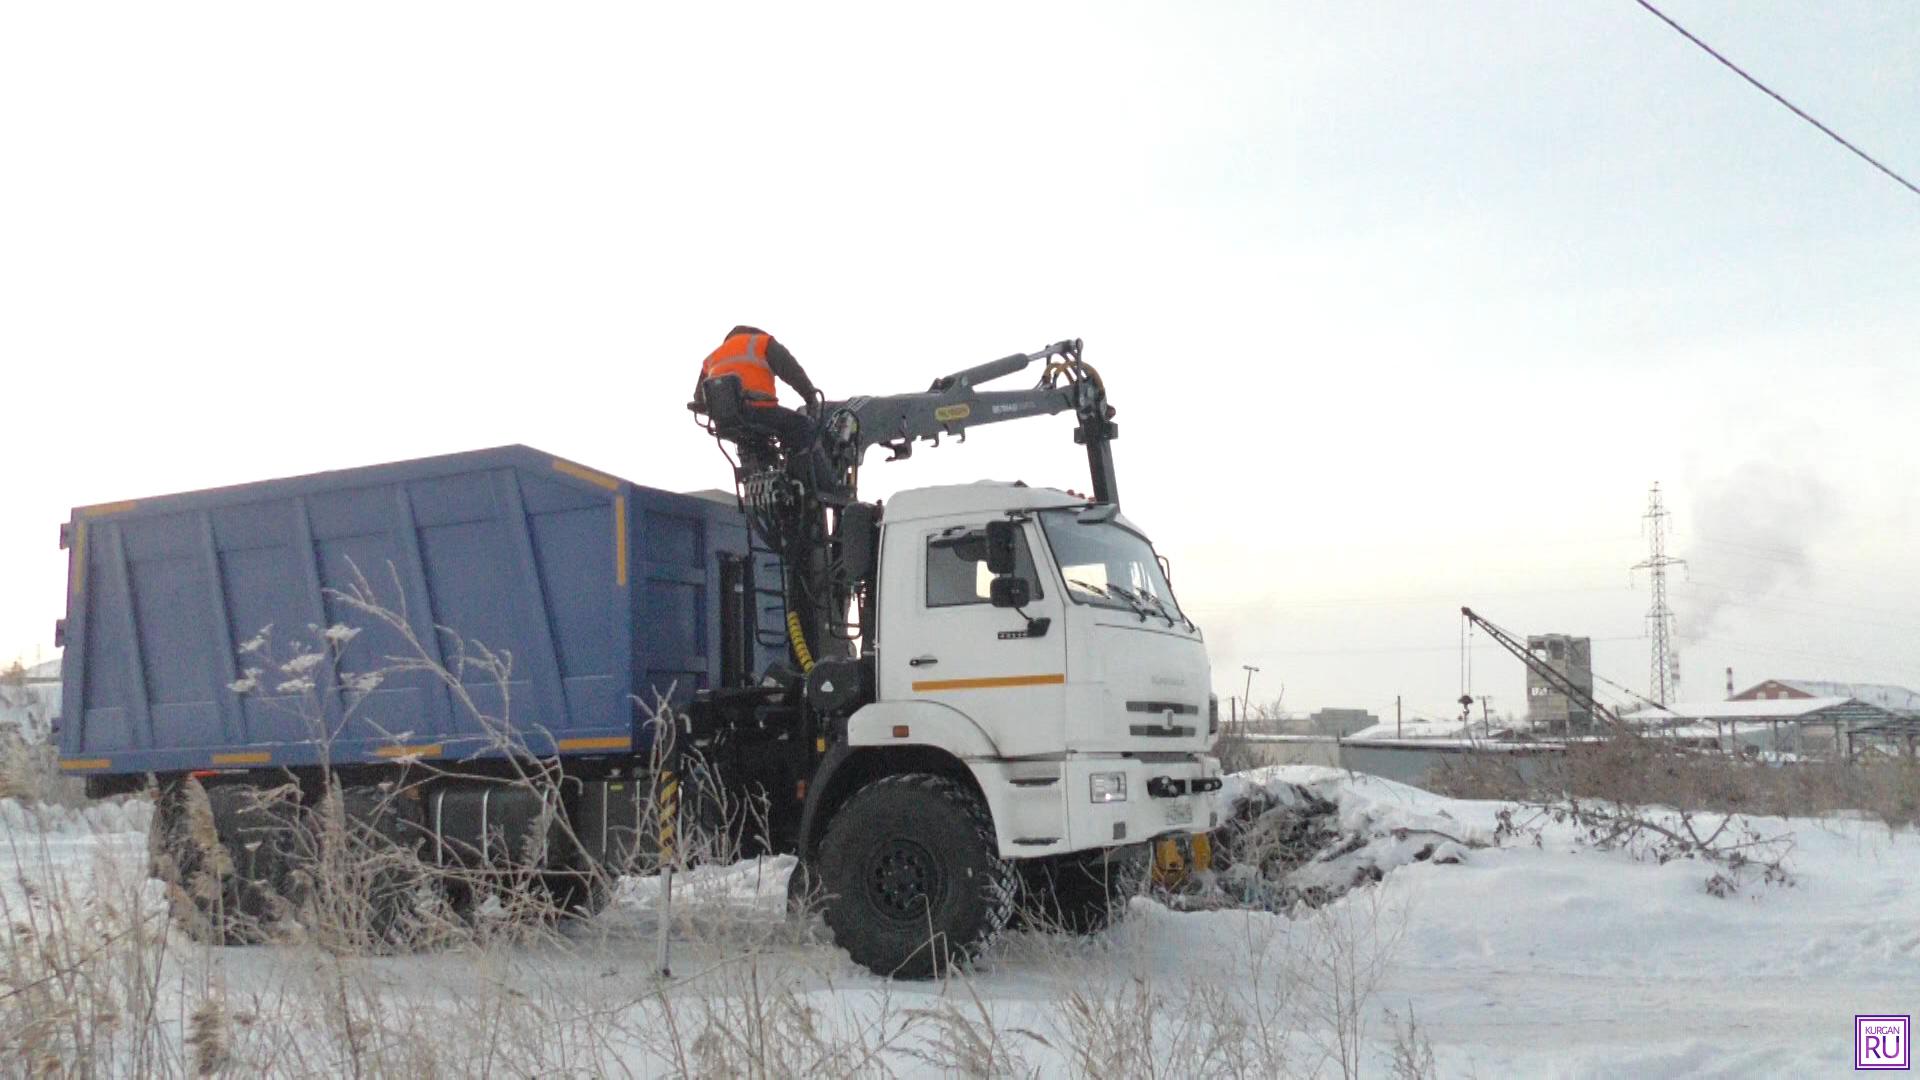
(1341, 723)
(1549, 711)
(1894, 699)
(1829, 727)
(30, 699)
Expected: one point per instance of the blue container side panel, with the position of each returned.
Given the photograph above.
(676, 571)
(263, 591)
(473, 588)
(525, 576)
(571, 537)
(113, 715)
(168, 586)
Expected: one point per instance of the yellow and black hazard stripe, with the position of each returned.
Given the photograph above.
(669, 813)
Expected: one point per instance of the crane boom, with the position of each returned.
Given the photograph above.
(954, 404)
(1553, 678)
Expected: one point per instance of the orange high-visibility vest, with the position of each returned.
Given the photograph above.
(744, 356)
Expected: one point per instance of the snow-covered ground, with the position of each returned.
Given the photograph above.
(1562, 960)
(1516, 959)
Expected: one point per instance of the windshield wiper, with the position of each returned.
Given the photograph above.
(1090, 587)
(1142, 598)
(1111, 592)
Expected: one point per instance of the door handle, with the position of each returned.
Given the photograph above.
(923, 661)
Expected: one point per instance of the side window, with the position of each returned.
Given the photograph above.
(957, 568)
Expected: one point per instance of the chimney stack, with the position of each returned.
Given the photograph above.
(1729, 684)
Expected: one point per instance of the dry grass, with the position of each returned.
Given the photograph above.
(93, 982)
(95, 979)
(84, 966)
(30, 771)
(1659, 802)
(1636, 771)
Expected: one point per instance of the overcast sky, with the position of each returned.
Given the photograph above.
(1403, 306)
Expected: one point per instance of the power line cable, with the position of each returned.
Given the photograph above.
(1282, 606)
(1786, 557)
(1734, 598)
(1764, 88)
(1477, 646)
(1757, 549)
(1747, 646)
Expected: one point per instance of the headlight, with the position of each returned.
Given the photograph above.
(1107, 787)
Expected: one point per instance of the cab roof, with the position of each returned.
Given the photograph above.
(980, 497)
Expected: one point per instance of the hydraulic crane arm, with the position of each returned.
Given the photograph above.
(954, 404)
(802, 500)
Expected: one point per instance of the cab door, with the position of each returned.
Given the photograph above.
(942, 641)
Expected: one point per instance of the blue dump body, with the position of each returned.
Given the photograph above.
(602, 592)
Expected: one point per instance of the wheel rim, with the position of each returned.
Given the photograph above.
(903, 878)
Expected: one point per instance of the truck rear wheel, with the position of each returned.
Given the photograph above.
(913, 877)
(380, 885)
(185, 852)
(578, 893)
(223, 854)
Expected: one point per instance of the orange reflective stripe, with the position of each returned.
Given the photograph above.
(996, 682)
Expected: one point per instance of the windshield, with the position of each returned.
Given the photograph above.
(1106, 564)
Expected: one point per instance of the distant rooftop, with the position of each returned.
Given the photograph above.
(1884, 695)
(47, 671)
(1449, 727)
(1834, 707)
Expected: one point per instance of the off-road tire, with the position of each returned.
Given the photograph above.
(1082, 893)
(912, 876)
(578, 894)
(224, 858)
(461, 897)
(184, 852)
(397, 881)
(257, 833)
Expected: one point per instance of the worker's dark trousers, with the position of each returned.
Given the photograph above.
(793, 429)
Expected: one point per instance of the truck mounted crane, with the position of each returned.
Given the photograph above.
(1068, 722)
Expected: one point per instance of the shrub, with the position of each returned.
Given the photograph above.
(1633, 770)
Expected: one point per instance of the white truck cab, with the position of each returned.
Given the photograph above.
(1084, 715)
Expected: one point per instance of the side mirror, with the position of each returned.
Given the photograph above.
(1000, 548)
(1010, 592)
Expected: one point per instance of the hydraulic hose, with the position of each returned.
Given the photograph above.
(799, 641)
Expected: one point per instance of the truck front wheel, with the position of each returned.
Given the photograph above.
(913, 877)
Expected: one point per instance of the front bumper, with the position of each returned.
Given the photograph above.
(1044, 808)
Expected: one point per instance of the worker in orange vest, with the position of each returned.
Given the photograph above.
(751, 355)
